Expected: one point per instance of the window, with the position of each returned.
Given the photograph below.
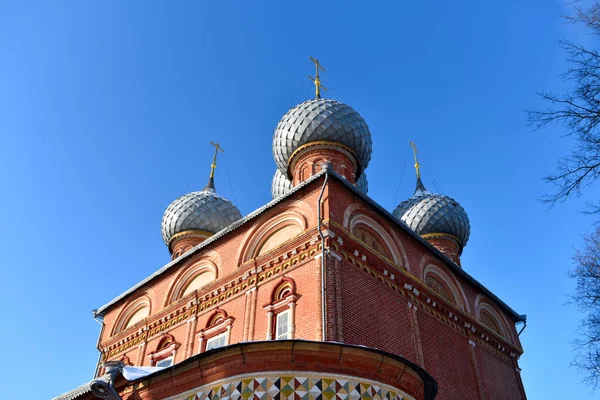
(164, 355)
(371, 240)
(438, 287)
(167, 362)
(490, 322)
(216, 341)
(216, 333)
(283, 326)
(280, 312)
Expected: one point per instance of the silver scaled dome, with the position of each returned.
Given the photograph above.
(321, 120)
(281, 184)
(427, 213)
(199, 211)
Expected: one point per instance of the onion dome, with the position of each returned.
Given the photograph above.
(198, 211)
(202, 213)
(429, 213)
(281, 184)
(362, 184)
(323, 121)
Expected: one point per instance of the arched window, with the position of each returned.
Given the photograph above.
(490, 322)
(217, 332)
(273, 233)
(193, 278)
(280, 312)
(439, 288)
(134, 312)
(164, 355)
(491, 318)
(373, 234)
(371, 240)
(203, 278)
(443, 284)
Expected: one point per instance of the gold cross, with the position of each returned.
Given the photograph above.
(316, 79)
(214, 162)
(417, 165)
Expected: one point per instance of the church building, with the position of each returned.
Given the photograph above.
(320, 294)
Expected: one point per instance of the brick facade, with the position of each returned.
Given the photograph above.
(376, 295)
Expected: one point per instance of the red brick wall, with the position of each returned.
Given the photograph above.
(372, 314)
(500, 379)
(448, 359)
(361, 309)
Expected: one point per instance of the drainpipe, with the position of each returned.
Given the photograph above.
(524, 320)
(319, 226)
(99, 318)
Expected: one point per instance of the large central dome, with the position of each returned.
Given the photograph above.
(321, 120)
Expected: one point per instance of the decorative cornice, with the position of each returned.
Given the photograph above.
(191, 232)
(218, 293)
(441, 235)
(422, 297)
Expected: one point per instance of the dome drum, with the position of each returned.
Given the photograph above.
(310, 158)
(447, 244)
(183, 241)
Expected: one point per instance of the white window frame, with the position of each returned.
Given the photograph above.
(221, 336)
(223, 327)
(164, 360)
(288, 333)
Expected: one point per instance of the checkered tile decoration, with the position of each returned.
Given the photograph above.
(295, 388)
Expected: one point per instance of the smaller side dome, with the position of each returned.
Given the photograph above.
(195, 216)
(281, 184)
(429, 213)
(198, 211)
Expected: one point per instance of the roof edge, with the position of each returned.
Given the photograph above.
(516, 316)
(102, 310)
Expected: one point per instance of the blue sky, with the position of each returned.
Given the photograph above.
(107, 110)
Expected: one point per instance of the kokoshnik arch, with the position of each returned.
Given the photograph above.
(319, 294)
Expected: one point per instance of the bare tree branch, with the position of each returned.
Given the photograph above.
(578, 111)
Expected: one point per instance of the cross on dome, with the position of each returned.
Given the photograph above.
(317, 78)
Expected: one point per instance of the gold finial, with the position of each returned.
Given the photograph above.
(417, 165)
(317, 78)
(214, 161)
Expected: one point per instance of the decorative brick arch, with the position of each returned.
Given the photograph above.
(130, 310)
(452, 287)
(167, 347)
(357, 215)
(283, 299)
(285, 288)
(188, 275)
(218, 317)
(484, 308)
(294, 220)
(218, 323)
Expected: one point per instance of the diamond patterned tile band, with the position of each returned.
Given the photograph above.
(321, 120)
(282, 386)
